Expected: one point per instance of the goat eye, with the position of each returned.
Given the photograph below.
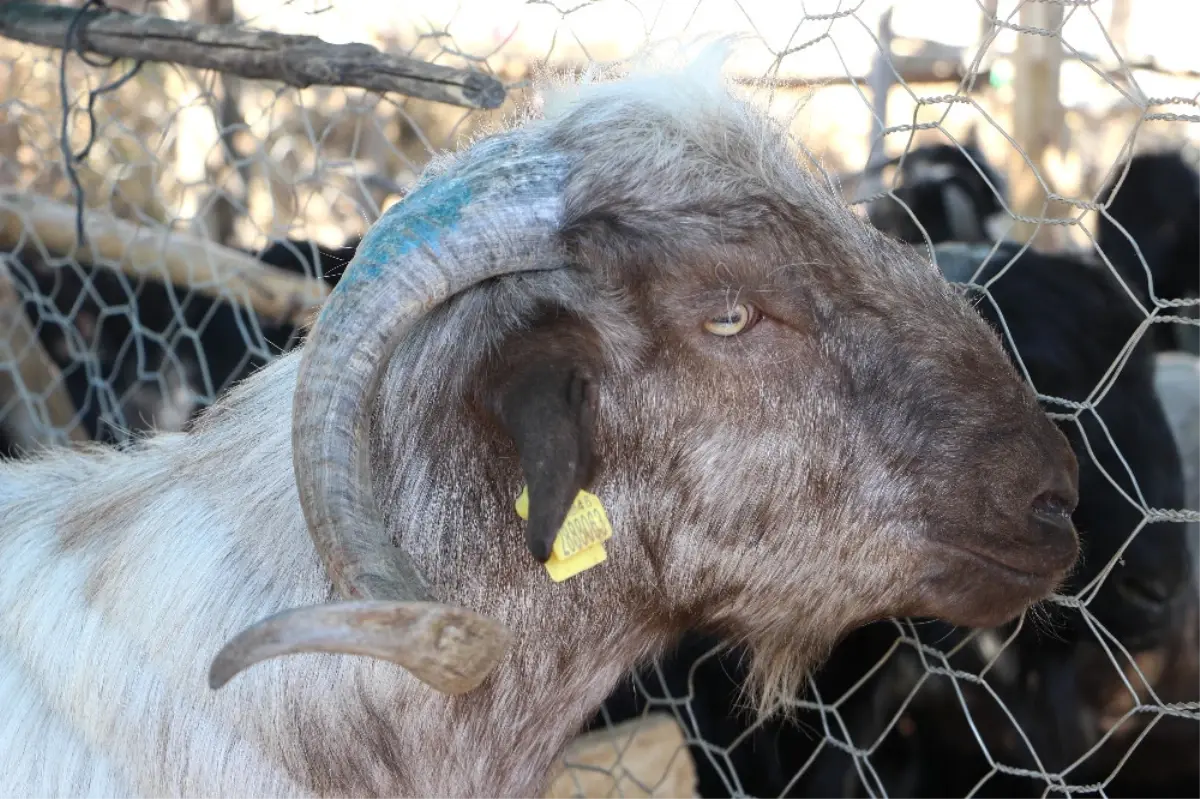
(740, 318)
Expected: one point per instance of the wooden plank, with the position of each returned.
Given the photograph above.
(645, 757)
(161, 254)
(880, 80)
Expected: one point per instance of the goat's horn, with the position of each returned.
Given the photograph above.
(493, 212)
(450, 649)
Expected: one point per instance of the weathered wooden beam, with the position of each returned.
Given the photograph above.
(299, 61)
(162, 254)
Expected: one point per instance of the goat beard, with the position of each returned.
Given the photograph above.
(780, 664)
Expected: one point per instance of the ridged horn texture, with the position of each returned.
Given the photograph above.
(450, 648)
(495, 211)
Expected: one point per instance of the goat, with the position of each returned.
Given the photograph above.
(1126, 447)
(1067, 354)
(1140, 603)
(794, 425)
(229, 351)
(1130, 759)
(141, 355)
(927, 733)
(110, 336)
(737, 755)
(1133, 760)
(1152, 207)
(310, 258)
(944, 193)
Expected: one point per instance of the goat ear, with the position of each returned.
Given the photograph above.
(548, 409)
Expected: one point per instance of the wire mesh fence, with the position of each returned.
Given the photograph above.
(169, 225)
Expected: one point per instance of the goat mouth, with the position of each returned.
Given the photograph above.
(986, 591)
(1009, 569)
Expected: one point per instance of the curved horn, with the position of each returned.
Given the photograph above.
(448, 650)
(495, 211)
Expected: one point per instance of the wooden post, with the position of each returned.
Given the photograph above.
(987, 17)
(1118, 25)
(1037, 115)
(228, 119)
(298, 61)
(880, 82)
(40, 411)
(984, 37)
(645, 757)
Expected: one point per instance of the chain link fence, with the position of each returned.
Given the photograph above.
(169, 222)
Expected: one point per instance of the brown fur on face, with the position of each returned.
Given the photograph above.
(781, 486)
(865, 450)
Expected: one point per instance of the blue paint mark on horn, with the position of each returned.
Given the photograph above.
(437, 207)
(416, 221)
(419, 220)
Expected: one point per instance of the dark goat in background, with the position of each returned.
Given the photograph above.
(1157, 204)
(952, 194)
(956, 195)
(1069, 320)
(1164, 762)
(137, 353)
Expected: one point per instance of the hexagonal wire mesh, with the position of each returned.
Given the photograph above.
(1013, 118)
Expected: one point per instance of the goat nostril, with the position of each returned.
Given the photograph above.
(1052, 508)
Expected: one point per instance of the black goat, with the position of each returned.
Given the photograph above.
(1069, 322)
(1157, 207)
(950, 194)
(136, 353)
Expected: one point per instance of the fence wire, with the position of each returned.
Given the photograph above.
(105, 340)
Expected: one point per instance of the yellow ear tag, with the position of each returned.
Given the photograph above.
(580, 542)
